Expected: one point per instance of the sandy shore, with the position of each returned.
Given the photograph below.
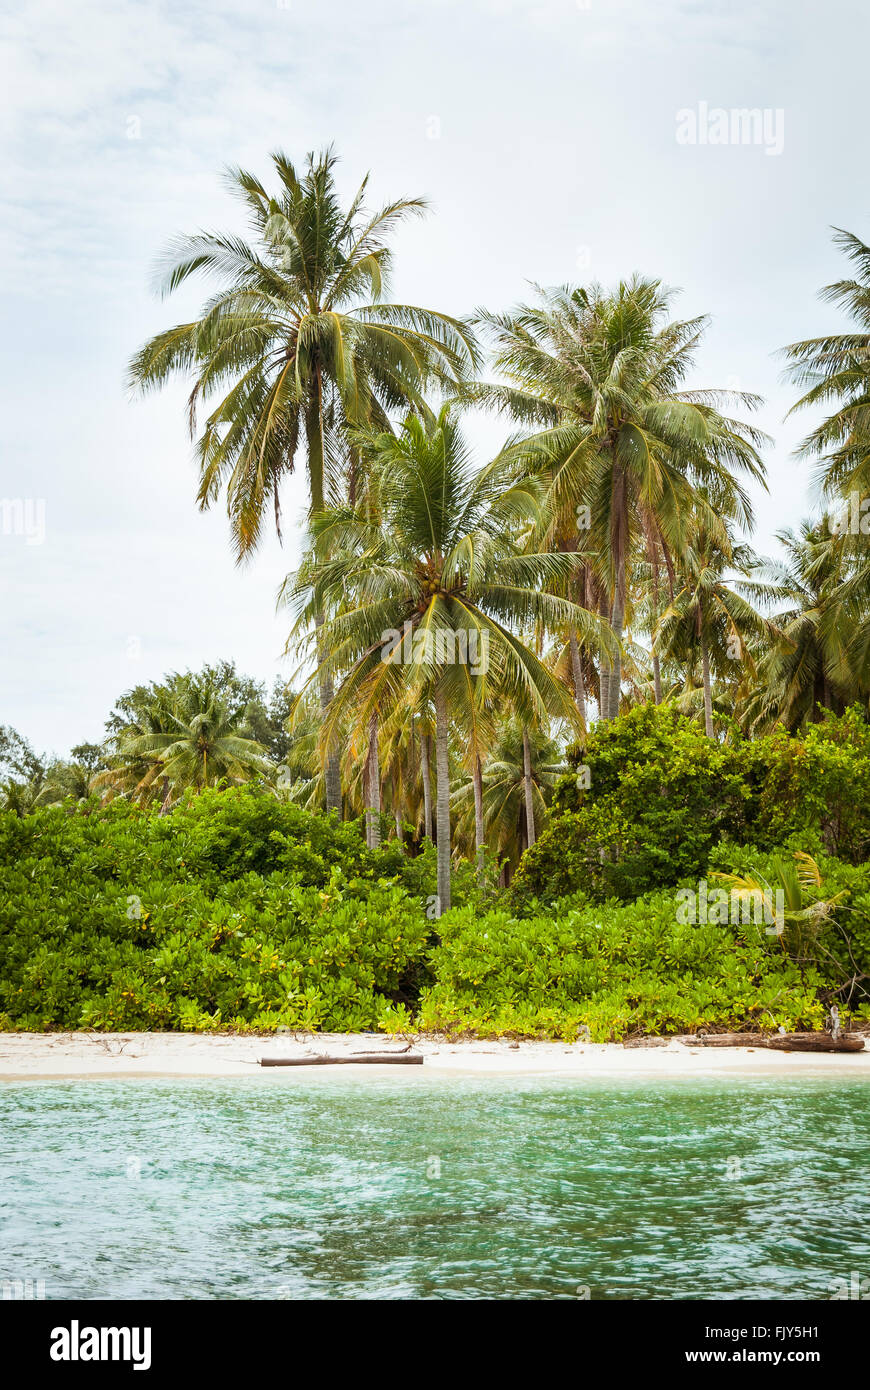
(37, 1056)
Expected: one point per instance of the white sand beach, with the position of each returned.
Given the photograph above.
(66, 1056)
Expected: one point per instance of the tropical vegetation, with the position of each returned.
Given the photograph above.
(528, 697)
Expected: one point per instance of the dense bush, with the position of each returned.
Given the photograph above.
(661, 796)
(836, 938)
(235, 911)
(614, 970)
(238, 912)
(818, 781)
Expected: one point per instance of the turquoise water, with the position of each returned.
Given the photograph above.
(413, 1187)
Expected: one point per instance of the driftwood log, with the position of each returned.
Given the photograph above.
(782, 1042)
(401, 1059)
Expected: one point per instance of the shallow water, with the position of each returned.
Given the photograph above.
(405, 1187)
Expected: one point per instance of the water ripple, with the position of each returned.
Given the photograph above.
(434, 1188)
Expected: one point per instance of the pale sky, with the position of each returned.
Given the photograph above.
(544, 132)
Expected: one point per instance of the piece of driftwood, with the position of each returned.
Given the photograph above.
(400, 1059)
(782, 1042)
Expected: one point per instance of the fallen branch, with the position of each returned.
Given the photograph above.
(782, 1042)
(393, 1058)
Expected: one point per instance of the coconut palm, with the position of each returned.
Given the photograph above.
(836, 370)
(187, 737)
(600, 373)
(708, 622)
(504, 784)
(65, 780)
(297, 343)
(421, 598)
(818, 658)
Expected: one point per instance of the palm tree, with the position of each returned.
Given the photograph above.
(836, 369)
(64, 780)
(504, 783)
(815, 660)
(707, 620)
(600, 373)
(297, 342)
(134, 767)
(420, 598)
(299, 774)
(188, 737)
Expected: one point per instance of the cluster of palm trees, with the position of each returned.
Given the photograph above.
(455, 624)
(191, 730)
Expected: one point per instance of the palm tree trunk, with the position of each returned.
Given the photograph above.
(527, 782)
(577, 676)
(657, 670)
(657, 677)
(603, 669)
(332, 766)
(314, 437)
(442, 802)
(617, 615)
(708, 693)
(397, 809)
(617, 619)
(373, 787)
(427, 786)
(479, 842)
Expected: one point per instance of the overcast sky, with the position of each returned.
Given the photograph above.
(544, 132)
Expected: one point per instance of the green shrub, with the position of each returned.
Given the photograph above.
(661, 796)
(614, 970)
(838, 942)
(233, 912)
(820, 781)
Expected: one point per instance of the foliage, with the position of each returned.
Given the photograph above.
(827, 907)
(661, 796)
(819, 781)
(235, 911)
(601, 375)
(817, 658)
(503, 785)
(297, 342)
(615, 970)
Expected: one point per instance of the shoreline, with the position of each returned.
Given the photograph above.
(96, 1056)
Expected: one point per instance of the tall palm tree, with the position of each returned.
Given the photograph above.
(420, 600)
(812, 662)
(504, 783)
(297, 342)
(708, 621)
(836, 370)
(600, 372)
